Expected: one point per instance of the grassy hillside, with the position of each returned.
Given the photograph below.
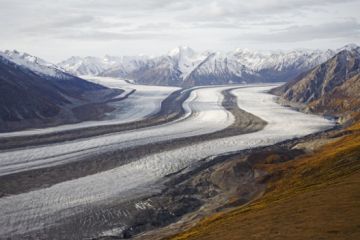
(315, 196)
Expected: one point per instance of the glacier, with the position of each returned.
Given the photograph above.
(37, 209)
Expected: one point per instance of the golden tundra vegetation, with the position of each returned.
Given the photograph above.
(314, 196)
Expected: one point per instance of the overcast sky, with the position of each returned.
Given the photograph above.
(55, 30)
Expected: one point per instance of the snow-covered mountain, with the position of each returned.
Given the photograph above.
(34, 64)
(183, 66)
(35, 93)
(95, 66)
(350, 47)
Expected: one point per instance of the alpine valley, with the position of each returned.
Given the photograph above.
(187, 145)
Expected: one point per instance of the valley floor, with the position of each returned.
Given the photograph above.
(129, 181)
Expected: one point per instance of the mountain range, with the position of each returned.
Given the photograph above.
(184, 67)
(36, 93)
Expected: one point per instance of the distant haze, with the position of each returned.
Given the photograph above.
(55, 30)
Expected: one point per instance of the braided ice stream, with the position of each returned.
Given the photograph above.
(25, 212)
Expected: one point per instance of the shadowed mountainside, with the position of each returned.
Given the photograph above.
(36, 99)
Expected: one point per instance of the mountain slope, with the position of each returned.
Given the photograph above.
(330, 88)
(183, 66)
(95, 66)
(312, 196)
(34, 93)
(89, 65)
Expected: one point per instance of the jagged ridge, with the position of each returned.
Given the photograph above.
(330, 88)
(183, 66)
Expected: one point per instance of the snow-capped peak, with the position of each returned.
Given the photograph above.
(350, 47)
(187, 60)
(16, 55)
(181, 50)
(33, 63)
(96, 65)
(183, 63)
(243, 50)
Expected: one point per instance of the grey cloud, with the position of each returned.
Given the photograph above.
(68, 22)
(34, 24)
(228, 5)
(71, 23)
(152, 26)
(225, 10)
(333, 30)
(220, 25)
(113, 36)
(74, 21)
(134, 5)
(239, 24)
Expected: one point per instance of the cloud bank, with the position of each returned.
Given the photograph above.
(58, 29)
